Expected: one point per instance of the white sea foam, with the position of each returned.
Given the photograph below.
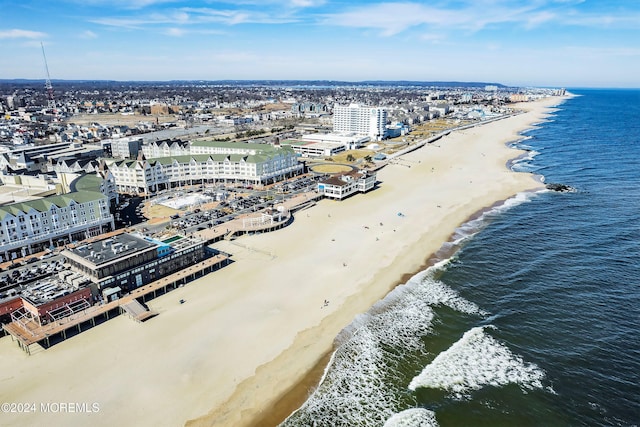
(437, 293)
(531, 154)
(433, 292)
(475, 361)
(472, 227)
(354, 389)
(414, 417)
(516, 200)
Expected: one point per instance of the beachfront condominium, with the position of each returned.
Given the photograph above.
(359, 120)
(208, 162)
(34, 225)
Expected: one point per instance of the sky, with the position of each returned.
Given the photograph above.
(542, 43)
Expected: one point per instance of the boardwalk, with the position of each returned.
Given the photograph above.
(30, 332)
(236, 227)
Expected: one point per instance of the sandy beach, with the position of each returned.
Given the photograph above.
(247, 334)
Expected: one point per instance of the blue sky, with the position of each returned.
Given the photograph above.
(570, 43)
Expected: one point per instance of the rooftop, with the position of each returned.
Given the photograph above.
(234, 145)
(107, 250)
(52, 288)
(45, 204)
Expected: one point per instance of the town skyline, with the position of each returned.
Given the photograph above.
(569, 43)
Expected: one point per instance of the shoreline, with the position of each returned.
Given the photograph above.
(288, 401)
(296, 396)
(252, 331)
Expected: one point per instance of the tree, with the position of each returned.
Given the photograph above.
(350, 158)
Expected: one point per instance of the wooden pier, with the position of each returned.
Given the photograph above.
(30, 332)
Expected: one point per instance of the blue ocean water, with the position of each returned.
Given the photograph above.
(535, 320)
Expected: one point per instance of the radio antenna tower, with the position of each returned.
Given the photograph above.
(51, 103)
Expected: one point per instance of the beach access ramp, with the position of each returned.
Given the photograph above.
(137, 311)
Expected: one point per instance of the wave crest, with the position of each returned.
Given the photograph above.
(414, 417)
(354, 389)
(370, 352)
(474, 361)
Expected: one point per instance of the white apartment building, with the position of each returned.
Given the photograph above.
(363, 121)
(125, 148)
(209, 161)
(165, 148)
(218, 147)
(315, 149)
(102, 180)
(34, 225)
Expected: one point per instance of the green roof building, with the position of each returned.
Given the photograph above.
(208, 161)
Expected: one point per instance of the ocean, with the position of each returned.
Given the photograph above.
(535, 318)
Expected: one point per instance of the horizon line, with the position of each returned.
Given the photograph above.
(332, 81)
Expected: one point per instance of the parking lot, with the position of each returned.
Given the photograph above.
(206, 206)
(227, 210)
(300, 184)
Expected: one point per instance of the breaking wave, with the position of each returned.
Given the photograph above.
(472, 227)
(370, 355)
(437, 293)
(365, 381)
(475, 361)
(414, 417)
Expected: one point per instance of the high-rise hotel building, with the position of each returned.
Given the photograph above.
(365, 121)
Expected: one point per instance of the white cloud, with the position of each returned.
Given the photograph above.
(175, 32)
(124, 4)
(88, 35)
(234, 17)
(194, 16)
(434, 38)
(181, 32)
(278, 3)
(542, 17)
(33, 43)
(122, 22)
(605, 20)
(137, 4)
(306, 3)
(21, 34)
(392, 18)
(181, 16)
